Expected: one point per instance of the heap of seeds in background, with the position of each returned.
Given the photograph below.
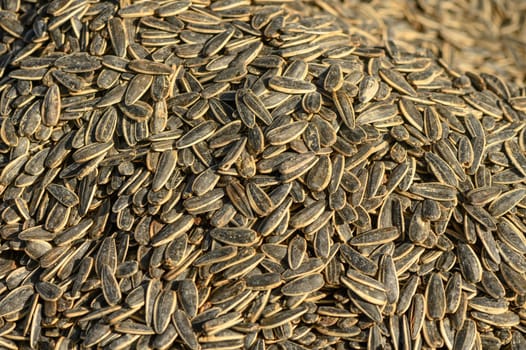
(473, 35)
(237, 175)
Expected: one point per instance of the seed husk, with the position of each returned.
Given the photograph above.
(303, 285)
(110, 287)
(184, 329)
(235, 236)
(15, 300)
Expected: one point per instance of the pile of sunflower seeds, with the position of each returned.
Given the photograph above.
(237, 175)
(473, 35)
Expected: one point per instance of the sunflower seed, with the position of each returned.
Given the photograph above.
(110, 286)
(184, 329)
(303, 285)
(236, 236)
(15, 300)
